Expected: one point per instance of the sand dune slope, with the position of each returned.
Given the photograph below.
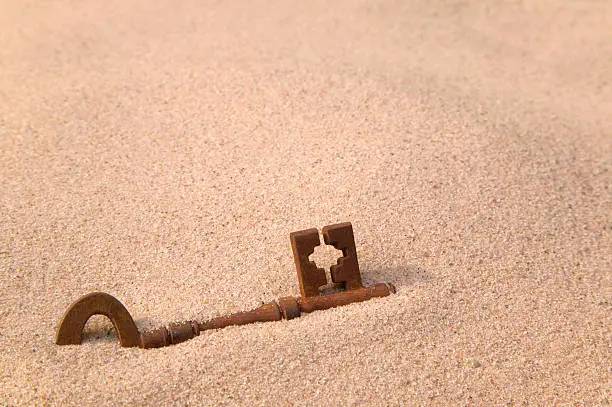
(163, 151)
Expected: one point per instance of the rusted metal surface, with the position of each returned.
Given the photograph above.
(346, 271)
(265, 313)
(290, 307)
(182, 331)
(155, 338)
(176, 332)
(310, 277)
(321, 302)
(70, 331)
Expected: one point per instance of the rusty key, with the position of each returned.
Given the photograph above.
(310, 278)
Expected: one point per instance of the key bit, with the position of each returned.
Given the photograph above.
(310, 276)
(346, 271)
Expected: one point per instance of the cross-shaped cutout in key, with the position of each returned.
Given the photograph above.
(345, 272)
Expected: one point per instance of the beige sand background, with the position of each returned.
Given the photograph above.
(163, 151)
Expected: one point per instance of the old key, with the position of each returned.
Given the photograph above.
(311, 278)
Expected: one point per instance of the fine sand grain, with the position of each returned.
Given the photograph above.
(163, 151)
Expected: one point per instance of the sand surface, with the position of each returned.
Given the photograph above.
(163, 151)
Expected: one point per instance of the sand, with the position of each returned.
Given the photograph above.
(163, 151)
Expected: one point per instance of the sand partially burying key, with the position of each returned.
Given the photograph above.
(163, 151)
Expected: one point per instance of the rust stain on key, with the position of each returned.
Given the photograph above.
(70, 331)
(310, 277)
(346, 271)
